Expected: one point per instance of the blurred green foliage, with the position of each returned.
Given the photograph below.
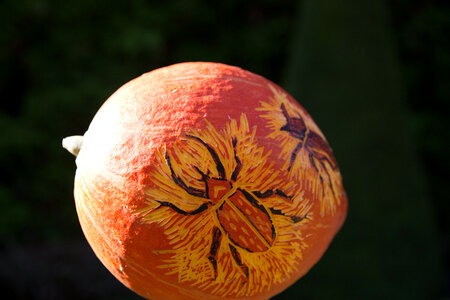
(61, 60)
(348, 73)
(374, 76)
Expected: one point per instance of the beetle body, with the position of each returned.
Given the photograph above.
(247, 222)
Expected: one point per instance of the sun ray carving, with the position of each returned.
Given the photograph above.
(307, 155)
(234, 222)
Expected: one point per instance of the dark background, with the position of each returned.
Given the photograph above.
(374, 75)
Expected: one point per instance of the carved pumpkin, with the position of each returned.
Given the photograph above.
(205, 181)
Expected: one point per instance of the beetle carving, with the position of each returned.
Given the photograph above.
(318, 150)
(239, 213)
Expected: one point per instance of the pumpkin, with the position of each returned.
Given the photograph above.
(206, 181)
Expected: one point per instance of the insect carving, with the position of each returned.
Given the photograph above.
(204, 181)
(317, 148)
(238, 213)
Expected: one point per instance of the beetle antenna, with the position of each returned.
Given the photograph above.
(215, 157)
(178, 181)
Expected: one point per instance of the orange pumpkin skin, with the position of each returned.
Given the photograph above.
(205, 181)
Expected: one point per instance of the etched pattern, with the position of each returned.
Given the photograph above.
(307, 156)
(233, 221)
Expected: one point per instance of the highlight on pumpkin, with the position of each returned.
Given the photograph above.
(233, 220)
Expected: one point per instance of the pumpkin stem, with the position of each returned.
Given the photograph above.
(73, 144)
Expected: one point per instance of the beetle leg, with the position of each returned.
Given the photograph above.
(274, 211)
(217, 237)
(270, 193)
(266, 194)
(294, 154)
(332, 164)
(311, 158)
(313, 163)
(198, 210)
(329, 179)
(238, 162)
(238, 260)
(294, 219)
